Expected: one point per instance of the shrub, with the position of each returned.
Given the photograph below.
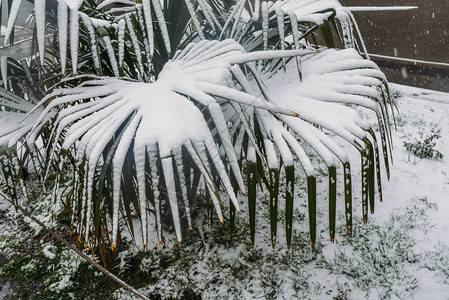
(149, 104)
(424, 147)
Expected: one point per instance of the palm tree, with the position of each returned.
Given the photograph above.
(150, 103)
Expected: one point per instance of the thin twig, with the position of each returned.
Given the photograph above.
(87, 258)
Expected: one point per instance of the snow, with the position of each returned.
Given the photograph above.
(280, 20)
(423, 94)
(150, 126)
(212, 15)
(74, 4)
(295, 32)
(39, 9)
(265, 25)
(152, 155)
(111, 55)
(179, 165)
(14, 11)
(165, 127)
(62, 32)
(379, 8)
(146, 43)
(406, 235)
(167, 167)
(100, 23)
(209, 16)
(278, 133)
(161, 21)
(251, 154)
(240, 8)
(220, 123)
(273, 162)
(93, 40)
(13, 127)
(421, 114)
(74, 28)
(194, 18)
(309, 11)
(4, 71)
(158, 124)
(149, 23)
(121, 41)
(135, 42)
(309, 135)
(108, 2)
(49, 251)
(412, 231)
(256, 11)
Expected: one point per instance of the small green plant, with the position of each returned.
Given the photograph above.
(343, 291)
(425, 147)
(438, 259)
(396, 94)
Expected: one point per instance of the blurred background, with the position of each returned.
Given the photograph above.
(421, 34)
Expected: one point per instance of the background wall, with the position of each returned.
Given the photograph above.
(418, 34)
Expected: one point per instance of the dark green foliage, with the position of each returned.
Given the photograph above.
(424, 147)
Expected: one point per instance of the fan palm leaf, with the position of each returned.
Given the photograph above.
(160, 125)
(164, 94)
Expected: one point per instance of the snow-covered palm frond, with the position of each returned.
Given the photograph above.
(160, 120)
(12, 110)
(331, 80)
(17, 98)
(176, 117)
(154, 122)
(74, 14)
(326, 85)
(286, 24)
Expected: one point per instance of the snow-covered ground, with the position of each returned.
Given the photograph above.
(406, 235)
(401, 253)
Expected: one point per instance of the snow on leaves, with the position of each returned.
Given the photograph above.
(160, 121)
(209, 104)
